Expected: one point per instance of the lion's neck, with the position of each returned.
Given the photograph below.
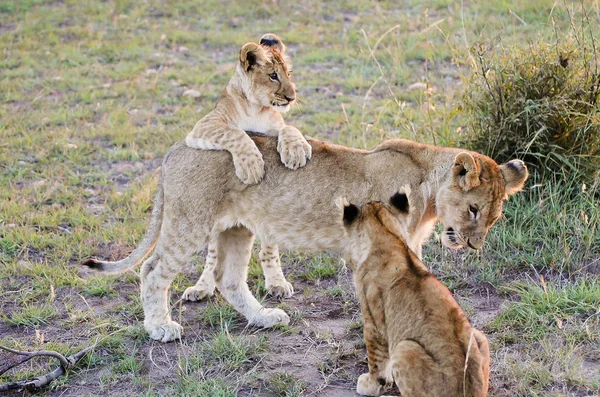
(240, 86)
(437, 175)
(435, 166)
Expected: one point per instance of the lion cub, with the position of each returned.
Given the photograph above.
(415, 332)
(259, 91)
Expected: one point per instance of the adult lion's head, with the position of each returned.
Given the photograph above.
(471, 202)
(266, 73)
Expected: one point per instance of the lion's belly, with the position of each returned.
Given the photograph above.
(297, 231)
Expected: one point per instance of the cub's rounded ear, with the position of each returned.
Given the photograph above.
(399, 201)
(465, 172)
(350, 214)
(271, 40)
(251, 55)
(515, 174)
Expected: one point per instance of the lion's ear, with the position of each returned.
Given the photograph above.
(251, 55)
(350, 214)
(465, 172)
(515, 174)
(399, 201)
(271, 40)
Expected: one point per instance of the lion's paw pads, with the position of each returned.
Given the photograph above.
(367, 385)
(267, 318)
(165, 332)
(281, 289)
(294, 153)
(249, 167)
(196, 293)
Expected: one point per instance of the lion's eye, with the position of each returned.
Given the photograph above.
(473, 210)
(274, 77)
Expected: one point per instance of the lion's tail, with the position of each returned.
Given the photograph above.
(477, 368)
(144, 248)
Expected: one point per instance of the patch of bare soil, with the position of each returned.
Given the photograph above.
(323, 348)
(486, 305)
(326, 353)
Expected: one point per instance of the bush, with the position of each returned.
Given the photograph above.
(540, 103)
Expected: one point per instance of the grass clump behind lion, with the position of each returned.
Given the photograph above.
(540, 103)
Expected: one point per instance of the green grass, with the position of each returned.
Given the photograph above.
(31, 315)
(539, 102)
(90, 101)
(219, 313)
(100, 286)
(542, 307)
(256, 279)
(128, 366)
(319, 268)
(190, 386)
(283, 384)
(231, 351)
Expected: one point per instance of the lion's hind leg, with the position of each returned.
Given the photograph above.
(378, 378)
(275, 281)
(231, 273)
(415, 372)
(478, 369)
(205, 286)
(157, 273)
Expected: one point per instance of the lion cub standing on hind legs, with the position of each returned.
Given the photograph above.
(255, 98)
(415, 332)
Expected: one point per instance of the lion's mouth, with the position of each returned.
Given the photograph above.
(451, 235)
(452, 239)
(281, 107)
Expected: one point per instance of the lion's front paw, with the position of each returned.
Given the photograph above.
(267, 318)
(367, 385)
(164, 332)
(294, 150)
(196, 293)
(249, 167)
(281, 289)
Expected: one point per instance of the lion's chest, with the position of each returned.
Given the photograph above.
(263, 123)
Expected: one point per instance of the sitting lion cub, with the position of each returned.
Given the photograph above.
(415, 332)
(259, 91)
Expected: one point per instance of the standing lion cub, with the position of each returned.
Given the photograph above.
(415, 332)
(259, 91)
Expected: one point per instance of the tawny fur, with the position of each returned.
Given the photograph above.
(253, 101)
(415, 332)
(200, 202)
(259, 91)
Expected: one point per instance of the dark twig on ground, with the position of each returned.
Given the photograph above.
(21, 357)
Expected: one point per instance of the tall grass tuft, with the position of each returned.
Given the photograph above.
(540, 103)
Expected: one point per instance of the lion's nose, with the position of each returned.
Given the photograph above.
(475, 243)
(290, 99)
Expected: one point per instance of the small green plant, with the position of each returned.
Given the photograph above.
(220, 313)
(540, 103)
(320, 267)
(191, 386)
(32, 315)
(128, 366)
(7, 247)
(284, 384)
(132, 308)
(100, 286)
(231, 351)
